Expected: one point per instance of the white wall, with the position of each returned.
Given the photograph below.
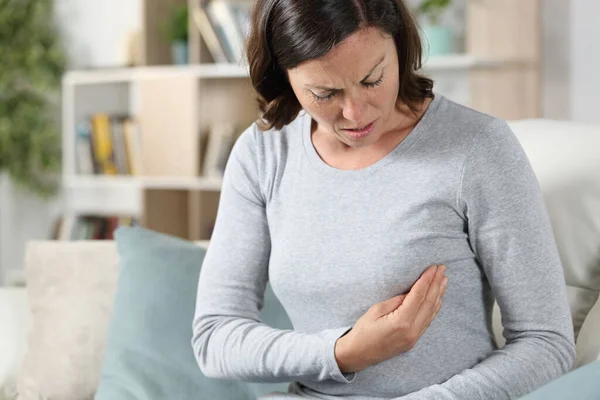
(556, 59)
(96, 31)
(585, 60)
(23, 217)
(571, 59)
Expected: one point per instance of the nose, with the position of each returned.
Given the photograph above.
(355, 108)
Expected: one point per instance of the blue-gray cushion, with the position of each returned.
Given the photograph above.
(580, 384)
(149, 354)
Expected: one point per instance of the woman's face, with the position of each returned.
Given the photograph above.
(351, 92)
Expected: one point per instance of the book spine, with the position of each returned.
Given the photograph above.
(103, 147)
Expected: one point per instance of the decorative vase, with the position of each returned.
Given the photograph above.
(437, 40)
(179, 52)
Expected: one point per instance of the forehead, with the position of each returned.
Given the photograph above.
(352, 58)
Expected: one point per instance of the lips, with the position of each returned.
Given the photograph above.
(360, 132)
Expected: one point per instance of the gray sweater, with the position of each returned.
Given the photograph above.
(459, 191)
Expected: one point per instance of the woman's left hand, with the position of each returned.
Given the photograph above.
(394, 326)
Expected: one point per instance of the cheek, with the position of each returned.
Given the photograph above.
(386, 98)
(324, 114)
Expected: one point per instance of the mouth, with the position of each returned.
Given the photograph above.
(359, 133)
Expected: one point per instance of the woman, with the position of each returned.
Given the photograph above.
(356, 178)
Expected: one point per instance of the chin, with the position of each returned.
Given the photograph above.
(358, 143)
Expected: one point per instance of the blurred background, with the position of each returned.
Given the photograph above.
(124, 112)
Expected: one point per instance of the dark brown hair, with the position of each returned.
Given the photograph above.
(285, 33)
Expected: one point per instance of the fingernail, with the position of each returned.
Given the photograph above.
(443, 267)
(445, 282)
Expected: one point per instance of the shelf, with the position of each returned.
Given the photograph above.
(99, 195)
(459, 61)
(128, 182)
(124, 195)
(166, 183)
(128, 75)
(227, 71)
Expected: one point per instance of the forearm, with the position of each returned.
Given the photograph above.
(508, 373)
(243, 349)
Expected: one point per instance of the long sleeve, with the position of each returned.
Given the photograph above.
(229, 341)
(511, 236)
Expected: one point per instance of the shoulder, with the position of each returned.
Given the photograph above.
(261, 154)
(465, 123)
(491, 151)
(472, 130)
(263, 145)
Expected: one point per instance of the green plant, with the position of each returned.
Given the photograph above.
(33, 62)
(176, 27)
(433, 9)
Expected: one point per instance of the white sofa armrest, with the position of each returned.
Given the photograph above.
(588, 341)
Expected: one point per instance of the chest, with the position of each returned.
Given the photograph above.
(331, 244)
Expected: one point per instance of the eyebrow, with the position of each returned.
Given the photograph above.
(366, 76)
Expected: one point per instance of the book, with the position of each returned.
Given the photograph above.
(209, 35)
(108, 145)
(133, 146)
(220, 140)
(89, 227)
(223, 17)
(119, 147)
(83, 148)
(102, 143)
(243, 14)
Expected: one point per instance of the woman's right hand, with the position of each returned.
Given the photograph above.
(394, 326)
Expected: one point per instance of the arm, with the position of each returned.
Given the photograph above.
(229, 341)
(511, 236)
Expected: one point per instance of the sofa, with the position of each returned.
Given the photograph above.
(54, 331)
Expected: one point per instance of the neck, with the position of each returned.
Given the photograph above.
(405, 119)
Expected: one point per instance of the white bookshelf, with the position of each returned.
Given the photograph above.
(174, 106)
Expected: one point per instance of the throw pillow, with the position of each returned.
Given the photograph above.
(70, 290)
(581, 384)
(149, 353)
(564, 156)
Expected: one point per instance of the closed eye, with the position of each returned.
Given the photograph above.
(323, 98)
(373, 84)
(326, 97)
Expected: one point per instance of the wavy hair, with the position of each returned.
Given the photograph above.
(285, 33)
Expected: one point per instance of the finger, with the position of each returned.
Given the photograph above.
(438, 307)
(418, 293)
(385, 307)
(431, 299)
(444, 286)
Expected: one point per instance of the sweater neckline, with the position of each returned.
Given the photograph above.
(316, 160)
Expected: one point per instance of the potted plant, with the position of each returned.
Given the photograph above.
(33, 62)
(176, 33)
(438, 38)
